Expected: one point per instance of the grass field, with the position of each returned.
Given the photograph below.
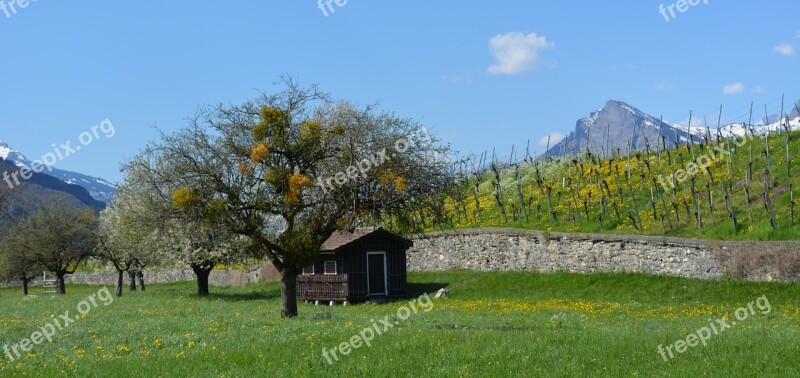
(492, 324)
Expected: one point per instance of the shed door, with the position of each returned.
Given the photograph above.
(376, 272)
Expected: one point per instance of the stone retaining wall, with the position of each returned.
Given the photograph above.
(499, 249)
(496, 249)
(261, 273)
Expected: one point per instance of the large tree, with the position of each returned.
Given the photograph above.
(60, 239)
(288, 169)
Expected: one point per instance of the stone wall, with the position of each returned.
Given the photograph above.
(493, 249)
(260, 273)
(498, 249)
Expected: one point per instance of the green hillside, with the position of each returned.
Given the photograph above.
(745, 191)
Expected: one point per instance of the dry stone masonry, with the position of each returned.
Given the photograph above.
(499, 249)
(492, 249)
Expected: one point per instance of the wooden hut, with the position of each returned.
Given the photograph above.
(365, 264)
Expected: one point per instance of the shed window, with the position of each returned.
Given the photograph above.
(309, 270)
(330, 268)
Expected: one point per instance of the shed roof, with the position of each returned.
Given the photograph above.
(342, 238)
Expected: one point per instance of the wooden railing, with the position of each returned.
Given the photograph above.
(323, 288)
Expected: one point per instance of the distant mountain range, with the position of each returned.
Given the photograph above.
(44, 189)
(90, 191)
(617, 124)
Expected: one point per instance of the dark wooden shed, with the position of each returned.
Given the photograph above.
(356, 266)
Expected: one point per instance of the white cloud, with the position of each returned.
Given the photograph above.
(735, 88)
(759, 89)
(517, 53)
(554, 138)
(663, 86)
(784, 49)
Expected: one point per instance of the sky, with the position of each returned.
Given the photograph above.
(479, 75)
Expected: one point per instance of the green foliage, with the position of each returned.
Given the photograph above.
(57, 239)
(15, 262)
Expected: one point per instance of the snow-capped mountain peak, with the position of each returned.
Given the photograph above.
(619, 124)
(613, 126)
(98, 188)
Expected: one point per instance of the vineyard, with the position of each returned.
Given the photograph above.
(722, 187)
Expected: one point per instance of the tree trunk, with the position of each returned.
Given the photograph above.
(140, 274)
(289, 293)
(120, 276)
(61, 287)
(202, 279)
(132, 276)
(25, 286)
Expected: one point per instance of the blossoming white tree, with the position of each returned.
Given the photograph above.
(143, 227)
(126, 240)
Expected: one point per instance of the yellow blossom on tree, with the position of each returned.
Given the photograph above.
(260, 153)
(400, 184)
(184, 197)
(296, 183)
(387, 179)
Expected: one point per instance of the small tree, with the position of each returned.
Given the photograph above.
(15, 265)
(15, 262)
(200, 247)
(150, 215)
(60, 239)
(123, 241)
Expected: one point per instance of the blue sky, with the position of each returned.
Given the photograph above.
(478, 74)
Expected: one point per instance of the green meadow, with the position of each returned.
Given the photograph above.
(490, 324)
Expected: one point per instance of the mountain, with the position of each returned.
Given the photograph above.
(614, 126)
(795, 112)
(44, 189)
(98, 189)
(617, 124)
(771, 124)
